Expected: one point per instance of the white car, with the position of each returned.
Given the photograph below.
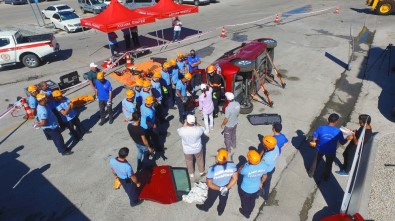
(52, 9)
(68, 21)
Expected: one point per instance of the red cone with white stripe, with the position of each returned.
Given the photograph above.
(29, 112)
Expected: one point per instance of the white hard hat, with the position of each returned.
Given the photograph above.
(191, 119)
(93, 65)
(230, 96)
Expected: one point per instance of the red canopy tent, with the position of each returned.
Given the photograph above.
(168, 9)
(116, 17)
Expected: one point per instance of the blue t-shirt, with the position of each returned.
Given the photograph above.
(270, 158)
(156, 90)
(128, 109)
(328, 136)
(174, 76)
(137, 96)
(47, 92)
(181, 67)
(281, 140)
(252, 175)
(122, 168)
(63, 105)
(221, 174)
(144, 95)
(103, 89)
(191, 61)
(182, 88)
(44, 113)
(32, 102)
(147, 115)
(166, 77)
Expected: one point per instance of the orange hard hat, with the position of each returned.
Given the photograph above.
(269, 141)
(222, 156)
(139, 82)
(147, 83)
(129, 94)
(166, 65)
(253, 157)
(157, 74)
(211, 68)
(188, 76)
(180, 55)
(56, 93)
(32, 88)
(40, 96)
(149, 100)
(100, 76)
(172, 62)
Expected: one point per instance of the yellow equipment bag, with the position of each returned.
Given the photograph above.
(117, 183)
(81, 100)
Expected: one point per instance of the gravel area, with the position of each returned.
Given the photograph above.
(382, 198)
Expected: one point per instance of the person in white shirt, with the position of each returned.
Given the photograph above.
(177, 29)
(191, 134)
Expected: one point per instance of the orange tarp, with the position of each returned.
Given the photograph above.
(129, 80)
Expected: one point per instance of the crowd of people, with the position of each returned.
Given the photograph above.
(145, 108)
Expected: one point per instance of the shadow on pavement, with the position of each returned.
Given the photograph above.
(29, 195)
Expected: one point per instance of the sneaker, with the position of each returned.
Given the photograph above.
(242, 213)
(191, 175)
(211, 128)
(101, 123)
(111, 121)
(202, 174)
(67, 152)
(342, 173)
(136, 203)
(220, 213)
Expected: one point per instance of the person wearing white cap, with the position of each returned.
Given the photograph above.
(229, 124)
(206, 106)
(191, 134)
(91, 75)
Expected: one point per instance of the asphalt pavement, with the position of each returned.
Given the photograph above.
(312, 54)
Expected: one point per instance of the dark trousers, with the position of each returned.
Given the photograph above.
(103, 112)
(127, 42)
(266, 185)
(153, 139)
(62, 124)
(216, 101)
(78, 131)
(212, 197)
(57, 138)
(348, 155)
(114, 48)
(169, 96)
(230, 137)
(136, 41)
(130, 189)
(180, 106)
(247, 201)
(329, 158)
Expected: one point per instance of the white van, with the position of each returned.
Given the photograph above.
(133, 4)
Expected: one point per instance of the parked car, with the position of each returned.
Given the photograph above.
(67, 21)
(237, 66)
(30, 50)
(93, 6)
(196, 2)
(133, 4)
(52, 9)
(107, 2)
(15, 2)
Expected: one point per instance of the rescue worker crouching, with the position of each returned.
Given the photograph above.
(220, 179)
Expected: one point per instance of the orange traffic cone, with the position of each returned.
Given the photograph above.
(106, 63)
(128, 60)
(29, 112)
(337, 10)
(223, 33)
(276, 20)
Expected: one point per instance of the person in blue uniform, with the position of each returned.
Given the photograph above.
(282, 140)
(181, 96)
(69, 116)
(47, 121)
(121, 168)
(270, 153)
(103, 91)
(166, 73)
(32, 101)
(148, 122)
(254, 175)
(128, 107)
(220, 179)
(137, 90)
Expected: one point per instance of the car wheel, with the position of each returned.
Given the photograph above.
(244, 65)
(197, 3)
(384, 8)
(271, 43)
(31, 61)
(66, 29)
